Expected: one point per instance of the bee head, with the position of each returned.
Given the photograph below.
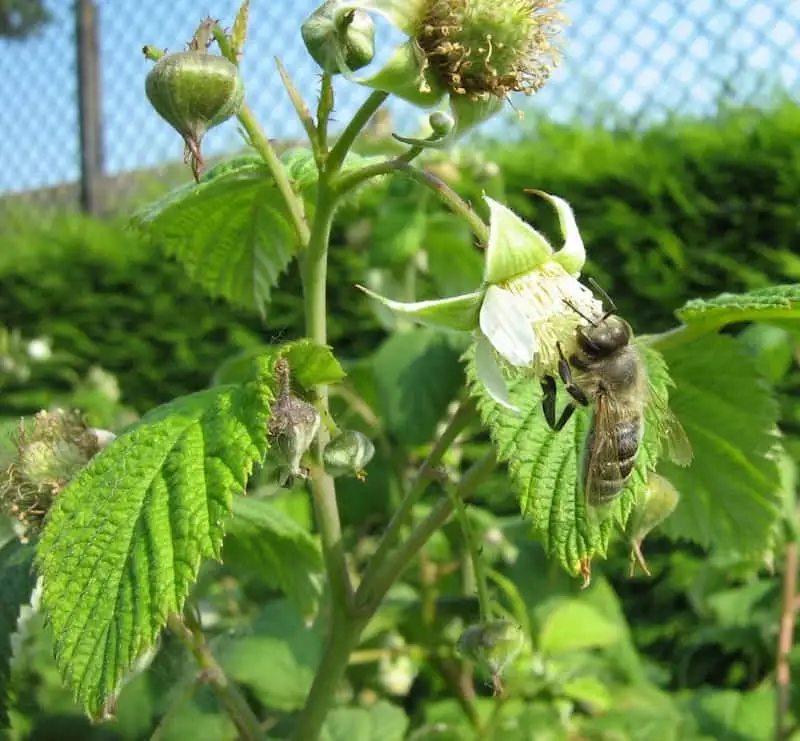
(604, 337)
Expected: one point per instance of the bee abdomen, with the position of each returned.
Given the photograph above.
(629, 436)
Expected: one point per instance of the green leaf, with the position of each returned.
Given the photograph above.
(278, 659)
(730, 496)
(417, 374)
(731, 716)
(262, 538)
(311, 364)
(123, 544)
(302, 168)
(17, 580)
(545, 466)
(379, 722)
(576, 626)
(774, 302)
(230, 231)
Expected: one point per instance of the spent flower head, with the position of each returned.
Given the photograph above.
(472, 52)
(530, 305)
(49, 453)
(482, 48)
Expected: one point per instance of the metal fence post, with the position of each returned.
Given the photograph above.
(89, 108)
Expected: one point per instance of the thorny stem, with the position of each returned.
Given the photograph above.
(785, 640)
(399, 166)
(353, 129)
(228, 694)
(324, 110)
(462, 417)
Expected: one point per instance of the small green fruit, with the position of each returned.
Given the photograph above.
(493, 645)
(348, 454)
(194, 91)
(656, 504)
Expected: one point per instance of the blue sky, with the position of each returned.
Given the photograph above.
(641, 56)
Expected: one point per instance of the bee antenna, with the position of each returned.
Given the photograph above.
(606, 298)
(579, 312)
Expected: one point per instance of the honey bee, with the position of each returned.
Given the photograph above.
(609, 373)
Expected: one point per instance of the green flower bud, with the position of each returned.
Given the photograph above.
(492, 646)
(441, 123)
(339, 38)
(656, 504)
(292, 427)
(348, 454)
(48, 456)
(194, 91)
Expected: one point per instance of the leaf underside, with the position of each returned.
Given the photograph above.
(124, 542)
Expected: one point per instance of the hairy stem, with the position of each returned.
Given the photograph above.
(228, 694)
(353, 129)
(260, 142)
(462, 417)
(323, 490)
(474, 555)
(785, 641)
(398, 165)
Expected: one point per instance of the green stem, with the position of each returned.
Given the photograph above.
(397, 562)
(294, 204)
(323, 490)
(301, 109)
(342, 640)
(353, 129)
(474, 554)
(324, 110)
(397, 165)
(464, 414)
(228, 694)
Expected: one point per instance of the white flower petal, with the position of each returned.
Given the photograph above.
(514, 248)
(573, 254)
(490, 374)
(505, 323)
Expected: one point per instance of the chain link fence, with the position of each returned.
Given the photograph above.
(639, 60)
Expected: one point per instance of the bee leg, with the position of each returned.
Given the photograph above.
(549, 405)
(549, 400)
(575, 391)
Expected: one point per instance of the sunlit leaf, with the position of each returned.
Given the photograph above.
(545, 466)
(123, 544)
(774, 302)
(231, 231)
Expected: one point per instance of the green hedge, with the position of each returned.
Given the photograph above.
(689, 208)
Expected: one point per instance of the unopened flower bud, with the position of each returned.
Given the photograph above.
(657, 503)
(292, 427)
(441, 123)
(492, 646)
(335, 36)
(48, 457)
(194, 91)
(348, 454)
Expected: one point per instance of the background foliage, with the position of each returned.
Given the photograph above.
(688, 209)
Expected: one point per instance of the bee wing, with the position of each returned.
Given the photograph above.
(602, 462)
(671, 433)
